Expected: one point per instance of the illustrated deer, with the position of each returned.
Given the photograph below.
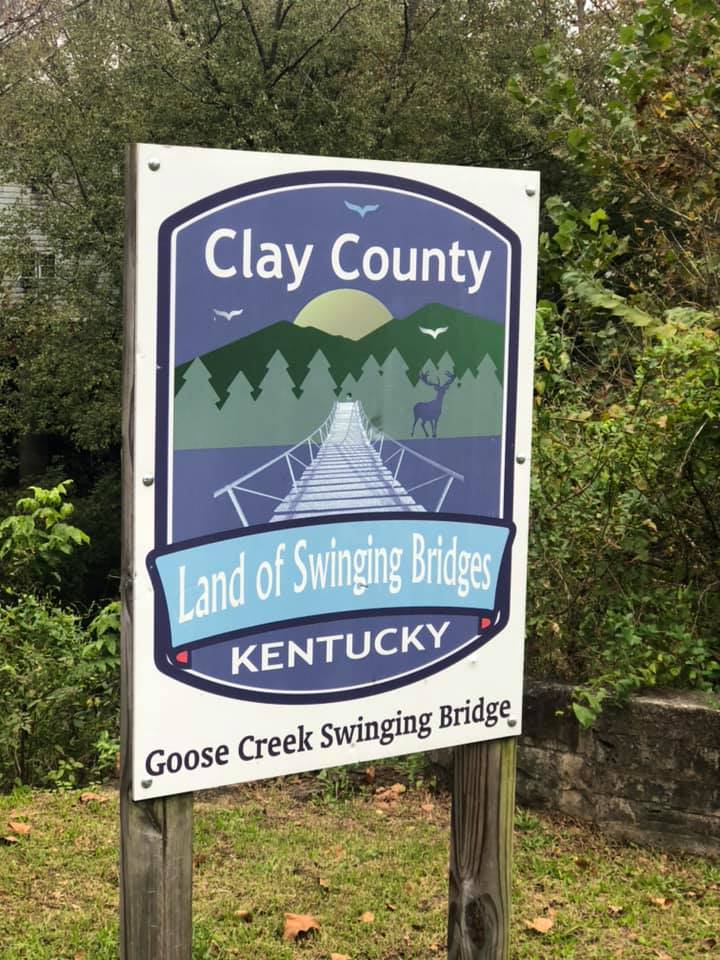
(430, 410)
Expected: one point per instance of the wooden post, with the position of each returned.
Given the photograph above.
(155, 835)
(481, 851)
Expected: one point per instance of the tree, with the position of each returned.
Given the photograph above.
(397, 397)
(318, 395)
(196, 420)
(276, 412)
(238, 423)
(369, 390)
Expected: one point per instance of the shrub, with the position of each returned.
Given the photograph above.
(59, 669)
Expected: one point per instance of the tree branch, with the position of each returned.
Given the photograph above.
(316, 43)
(256, 36)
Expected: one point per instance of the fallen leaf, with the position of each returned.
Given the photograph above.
(663, 902)
(244, 915)
(434, 948)
(398, 788)
(325, 884)
(709, 943)
(540, 924)
(370, 774)
(428, 807)
(20, 828)
(9, 840)
(391, 907)
(368, 917)
(615, 911)
(661, 955)
(299, 925)
(89, 797)
(339, 956)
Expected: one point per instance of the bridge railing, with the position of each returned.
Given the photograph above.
(297, 460)
(394, 454)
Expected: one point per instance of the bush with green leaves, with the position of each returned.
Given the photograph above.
(59, 669)
(624, 575)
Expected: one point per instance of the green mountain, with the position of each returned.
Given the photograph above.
(252, 354)
(466, 339)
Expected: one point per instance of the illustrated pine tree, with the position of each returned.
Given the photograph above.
(276, 408)
(317, 397)
(490, 399)
(238, 421)
(196, 415)
(474, 405)
(461, 410)
(397, 396)
(369, 389)
(348, 388)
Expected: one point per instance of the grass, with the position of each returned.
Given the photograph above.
(327, 848)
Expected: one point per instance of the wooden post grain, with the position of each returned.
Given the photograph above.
(481, 851)
(155, 835)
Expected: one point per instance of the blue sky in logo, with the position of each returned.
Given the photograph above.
(317, 215)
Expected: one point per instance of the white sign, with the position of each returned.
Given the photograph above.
(331, 414)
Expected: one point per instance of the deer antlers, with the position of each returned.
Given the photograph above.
(426, 379)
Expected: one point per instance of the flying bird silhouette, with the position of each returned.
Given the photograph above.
(433, 333)
(227, 314)
(370, 208)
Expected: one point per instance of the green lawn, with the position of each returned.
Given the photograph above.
(303, 846)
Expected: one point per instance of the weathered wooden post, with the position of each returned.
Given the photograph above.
(481, 851)
(155, 835)
(306, 584)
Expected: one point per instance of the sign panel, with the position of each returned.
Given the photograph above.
(331, 411)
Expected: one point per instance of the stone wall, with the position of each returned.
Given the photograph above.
(648, 772)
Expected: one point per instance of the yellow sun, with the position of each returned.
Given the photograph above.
(344, 313)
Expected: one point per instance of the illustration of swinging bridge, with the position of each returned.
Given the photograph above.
(347, 465)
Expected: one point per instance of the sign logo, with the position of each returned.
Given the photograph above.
(336, 420)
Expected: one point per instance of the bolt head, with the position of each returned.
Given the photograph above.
(530, 191)
(146, 784)
(512, 723)
(520, 459)
(148, 481)
(154, 164)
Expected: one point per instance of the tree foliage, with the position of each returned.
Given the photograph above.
(617, 103)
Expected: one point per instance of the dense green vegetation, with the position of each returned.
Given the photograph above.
(618, 108)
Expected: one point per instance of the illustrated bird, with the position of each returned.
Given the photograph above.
(433, 333)
(227, 314)
(370, 208)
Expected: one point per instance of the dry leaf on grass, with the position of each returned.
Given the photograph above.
(709, 943)
(540, 924)
(368, 917)
(339, 956)
(20, 828)
(299, 925)
(391, 907)
(323, 884)
(244, 915)
(615, 911)
(663, 902)
(89, 797)
(427, 807)
(9, 840)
